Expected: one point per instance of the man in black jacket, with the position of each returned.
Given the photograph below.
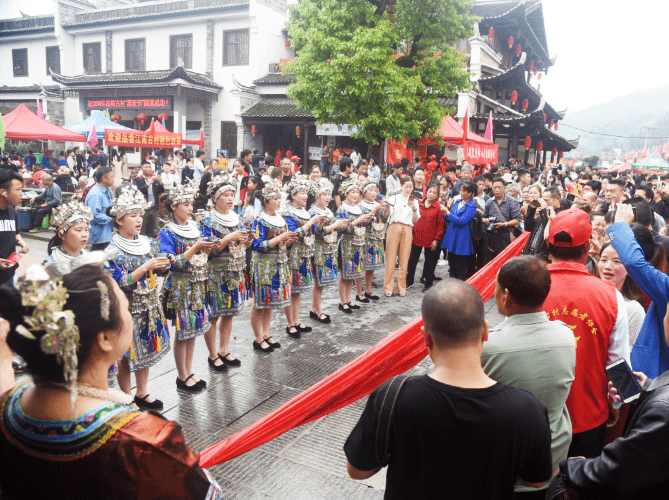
(635, 465)
(147, 179)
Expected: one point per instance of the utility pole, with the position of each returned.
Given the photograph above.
(645, 144)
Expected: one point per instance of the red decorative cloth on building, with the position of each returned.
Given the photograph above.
(430, 225)
(589, 306)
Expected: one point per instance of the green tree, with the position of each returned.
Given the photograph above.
(348, 69)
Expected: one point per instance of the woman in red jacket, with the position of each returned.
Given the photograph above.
(427, 232)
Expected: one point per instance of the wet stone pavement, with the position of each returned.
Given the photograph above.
(307, 462)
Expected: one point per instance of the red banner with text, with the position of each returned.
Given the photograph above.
(482, 154)
(398, 150)
(395, 354)
(140, 139)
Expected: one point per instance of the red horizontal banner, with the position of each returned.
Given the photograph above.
(131, 103)
(140, 139)
(481, 153)
(398, 353)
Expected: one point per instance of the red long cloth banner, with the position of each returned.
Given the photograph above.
(481, 153)
(396, 354)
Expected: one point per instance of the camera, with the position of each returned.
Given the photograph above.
(491, 227)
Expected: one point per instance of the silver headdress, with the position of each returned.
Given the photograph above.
(184, 192)
(221, 183)
(366, 183)
(347, 186)
(129, 201)
(272, 189)
(320, 186)
(299, 183)
(65, 216)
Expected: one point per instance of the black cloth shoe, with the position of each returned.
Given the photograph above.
(323, 318)
(436, 278)
(347, 310)
(218, 368)
(156, 404)
(234, 362)
(181, 384)
(259, 347)
(302, 329)
(274, 343)
(353, 306)
(364, 299)
(371, 296)
(295, 334)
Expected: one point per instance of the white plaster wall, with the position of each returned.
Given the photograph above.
(36, 61)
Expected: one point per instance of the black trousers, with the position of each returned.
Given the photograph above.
(457, 266)
(38, 215)
(431, 258)
(495, 243)
(476, 260)
(588, 444)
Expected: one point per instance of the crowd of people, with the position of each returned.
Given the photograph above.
(187, 245)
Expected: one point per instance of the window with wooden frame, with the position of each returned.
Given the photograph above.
(229, 138)
(92, 57)
(53, 59)
(135, 55)
(235, 47)
(20, 62)
(181, 51)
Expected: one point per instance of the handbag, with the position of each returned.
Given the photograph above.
(385, 415)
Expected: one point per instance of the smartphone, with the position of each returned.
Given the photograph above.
(571, 196)
(14, 258)
(624, 380)
(213, 239)
(161, 256)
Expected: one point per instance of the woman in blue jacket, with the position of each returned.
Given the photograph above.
(458, 239)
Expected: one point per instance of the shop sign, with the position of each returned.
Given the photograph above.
(129, 103)
(315, 153)
(333, 129)
(140, 140)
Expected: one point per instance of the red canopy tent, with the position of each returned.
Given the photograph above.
(24, 125)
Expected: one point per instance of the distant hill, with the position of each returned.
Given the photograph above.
(625, 116)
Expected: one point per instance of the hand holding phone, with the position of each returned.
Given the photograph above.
(14, 258)
(624, 380)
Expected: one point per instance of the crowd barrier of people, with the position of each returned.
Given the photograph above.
(507, 412)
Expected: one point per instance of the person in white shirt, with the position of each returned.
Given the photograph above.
(403, 215)
(200, 168)
(393, 181)
(356, 157)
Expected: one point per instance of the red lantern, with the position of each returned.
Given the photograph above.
(511, 40)
(254, 129)
(540, 146)
(561, 154)
(519, 49)
(550, 124)
(539, 76)
(556, 126)
(530, 75)
(491, 33)
(141, 118)
(514, 97)
(116, 117)
(525, 104)
(545, 116)
(163, 116)
(531, 65)
(536, 71)
(528, 142)
(298, 131)
(555, 152)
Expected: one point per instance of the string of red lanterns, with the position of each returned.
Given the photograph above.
(511, 40)
(163, 116)
(525, 104)
(254, 130)
(141, 118)
(115, 117)
(514, 97)
(519, 49)
(540, 146)
(528, 142)
(491, 33)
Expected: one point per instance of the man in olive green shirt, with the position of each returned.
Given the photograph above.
(528, 351)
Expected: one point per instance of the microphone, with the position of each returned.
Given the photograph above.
(381, 199)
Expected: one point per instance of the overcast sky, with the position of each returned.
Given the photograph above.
(605, 49)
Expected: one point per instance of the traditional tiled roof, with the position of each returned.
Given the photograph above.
(449, 102)
(139, 77)
(276, 79)
(276, 107)
(154, 11)
(30, 88)
(36, 24)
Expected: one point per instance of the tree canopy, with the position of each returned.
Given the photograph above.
(380, 64)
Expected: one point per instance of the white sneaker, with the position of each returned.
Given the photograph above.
(442, 262)
(389, 294)
(402, 294)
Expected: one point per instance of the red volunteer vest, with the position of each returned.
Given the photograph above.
(588, 305)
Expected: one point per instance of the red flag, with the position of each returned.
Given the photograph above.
(465, 127)
(581, 155)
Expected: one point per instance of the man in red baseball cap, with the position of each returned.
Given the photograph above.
(596, 313)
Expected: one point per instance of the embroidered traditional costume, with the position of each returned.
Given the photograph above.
(352, 243)
(325, 245)
(300, 255)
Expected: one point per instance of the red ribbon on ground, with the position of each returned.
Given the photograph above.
(396, 354)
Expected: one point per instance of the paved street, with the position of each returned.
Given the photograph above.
(304, 463)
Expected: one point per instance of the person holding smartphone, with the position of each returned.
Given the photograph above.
(10, 197)
(632, 466)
